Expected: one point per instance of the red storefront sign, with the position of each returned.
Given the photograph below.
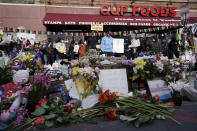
(86, 19)
(143, 10)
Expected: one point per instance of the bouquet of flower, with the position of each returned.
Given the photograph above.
(40, 86)
(86, 80)
(172, 71)
(28, 61)
(144, 69)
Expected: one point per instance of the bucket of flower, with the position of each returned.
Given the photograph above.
(138, 110)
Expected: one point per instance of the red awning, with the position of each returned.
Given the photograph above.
(86, 19)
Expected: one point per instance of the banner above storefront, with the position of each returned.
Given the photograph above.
(86, 19)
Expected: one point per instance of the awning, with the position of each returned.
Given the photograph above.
(86, 19)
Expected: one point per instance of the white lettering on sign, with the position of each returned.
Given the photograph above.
(53, 22)
(70, 23)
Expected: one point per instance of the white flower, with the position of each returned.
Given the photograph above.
(177, 86)
(135, 70)
(159, 66)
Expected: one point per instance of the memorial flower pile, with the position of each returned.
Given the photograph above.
(54, 113)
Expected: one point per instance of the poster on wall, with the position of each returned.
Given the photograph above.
(97, 27)
(158, 87)
(118, 45)
(26, 36)
(114, 79)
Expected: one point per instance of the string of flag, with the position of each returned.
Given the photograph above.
(147, 30)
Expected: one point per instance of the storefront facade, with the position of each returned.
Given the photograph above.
(37, 17)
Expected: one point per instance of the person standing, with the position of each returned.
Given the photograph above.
(195, 41)
(82, 48)
(127, 42)
(71, 49)
(107, 44)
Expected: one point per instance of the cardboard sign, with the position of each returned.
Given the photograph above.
(97, 27)
(118, 45)
(114, 79)
(158, 87)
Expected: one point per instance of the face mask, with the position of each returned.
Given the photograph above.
(124, 34)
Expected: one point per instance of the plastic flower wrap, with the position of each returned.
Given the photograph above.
(86, 80)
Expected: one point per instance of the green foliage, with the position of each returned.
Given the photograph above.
(5, 74)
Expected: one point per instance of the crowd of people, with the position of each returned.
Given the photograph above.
(71, 48)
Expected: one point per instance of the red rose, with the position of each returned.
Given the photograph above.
(157, 97)
(42, 101)
(39, 121)
(106, 92)
(111, 114)
(112, 96)
(37, 107)
(171, 104)
(102, 99)
(158, 58)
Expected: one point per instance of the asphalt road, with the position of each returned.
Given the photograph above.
(186, 114)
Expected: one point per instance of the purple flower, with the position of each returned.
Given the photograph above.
(141, 54)
(43, 80)
(21, 112)
(153, 60)
(127, 62)
(37, 78)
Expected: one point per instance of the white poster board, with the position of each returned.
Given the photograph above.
(114, 79)
(158, 87)
(76, 48)
(26, 36)
(118, 45)
(73, 93)
(135, 43)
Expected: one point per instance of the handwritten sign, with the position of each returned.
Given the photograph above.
(118, 45)
(97, 27)
(158, 87)
(114, 79)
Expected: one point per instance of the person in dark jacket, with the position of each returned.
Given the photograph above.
(173, 46)
(71, 49)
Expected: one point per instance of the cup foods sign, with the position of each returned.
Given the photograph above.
(142, 10)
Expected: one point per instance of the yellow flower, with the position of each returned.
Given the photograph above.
(22, 59)
(139, 64)
(30, 56)
(75, 71)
